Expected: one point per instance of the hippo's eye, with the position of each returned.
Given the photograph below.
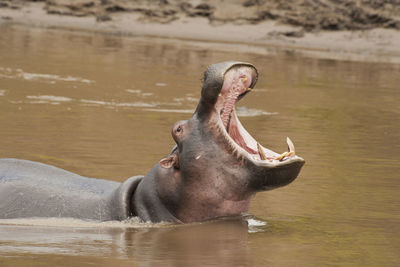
(178, 130)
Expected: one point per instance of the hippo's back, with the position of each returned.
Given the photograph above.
(32, 189)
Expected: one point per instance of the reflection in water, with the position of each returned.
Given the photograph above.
(193, 244)
(167, 245)
(341, 115)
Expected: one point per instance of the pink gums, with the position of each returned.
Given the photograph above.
(230, 101)
(234, 133)
(237, 87)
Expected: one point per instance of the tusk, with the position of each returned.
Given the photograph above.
(290, 154)
(290, 145)
(283, 155)
(261, 152)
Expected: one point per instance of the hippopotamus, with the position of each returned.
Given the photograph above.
(214, 170)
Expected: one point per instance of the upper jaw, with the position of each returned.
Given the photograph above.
(213, 82)
(238, 80)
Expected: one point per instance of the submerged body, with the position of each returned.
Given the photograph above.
(32, 189)
(214, 170)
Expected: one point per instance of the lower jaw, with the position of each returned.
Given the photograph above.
(258, 153)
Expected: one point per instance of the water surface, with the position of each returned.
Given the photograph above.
(103, 106)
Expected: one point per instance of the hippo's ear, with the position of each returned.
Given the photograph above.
(170, 161)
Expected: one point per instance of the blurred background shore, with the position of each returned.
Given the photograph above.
(354, 30)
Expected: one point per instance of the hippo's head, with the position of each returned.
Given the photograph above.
(217, 166)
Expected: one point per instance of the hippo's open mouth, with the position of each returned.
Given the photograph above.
(238, 82)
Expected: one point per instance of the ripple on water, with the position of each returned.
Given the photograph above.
(139, 92)
(55, 100)
(116, 104)
(250, 112)
(160, 84)
(49, 78)
(47, 99)
(188, 111)
(50, 98)
(241, 111)
(256, 226)
(133, 222)
(186, 99)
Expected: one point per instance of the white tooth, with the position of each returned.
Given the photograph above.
(290, 145)
(261, 152)
(282, 156)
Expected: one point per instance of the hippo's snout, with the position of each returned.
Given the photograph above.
(224, 85)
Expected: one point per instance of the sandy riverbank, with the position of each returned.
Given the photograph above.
(366, 42)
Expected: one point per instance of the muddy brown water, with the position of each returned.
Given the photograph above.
(103, 106)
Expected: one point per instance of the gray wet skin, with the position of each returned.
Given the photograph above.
(215, 169)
